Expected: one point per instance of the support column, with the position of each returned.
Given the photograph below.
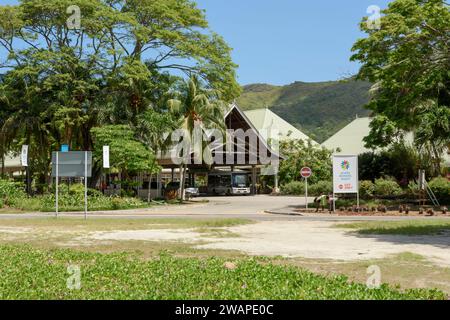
(253, 180)
(158, 185)
(173, 172)
(277, 187)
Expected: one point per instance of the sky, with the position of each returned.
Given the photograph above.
(283, 41)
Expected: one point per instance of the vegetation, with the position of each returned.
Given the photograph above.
(12, 195)
(45, 275)
(299, 154)
(62, 83)
(407, 59)
(318, 109)
(410, 228)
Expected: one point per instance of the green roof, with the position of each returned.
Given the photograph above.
(265, 120)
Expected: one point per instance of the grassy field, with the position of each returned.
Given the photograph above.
(29, 273)
(410, 228)
(25, 244)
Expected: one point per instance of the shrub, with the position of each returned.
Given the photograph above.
(441, 188)
(366, 189)
(293, 188)
(413, 189)
(321, 187)
(386, 188)
(11, 193)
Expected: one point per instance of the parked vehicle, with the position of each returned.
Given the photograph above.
(229, 183)
(190, 191)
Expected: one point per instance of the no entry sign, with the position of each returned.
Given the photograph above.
(306, 172)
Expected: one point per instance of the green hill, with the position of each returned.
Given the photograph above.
(318, 109)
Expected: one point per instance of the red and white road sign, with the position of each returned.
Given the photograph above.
(306, 172)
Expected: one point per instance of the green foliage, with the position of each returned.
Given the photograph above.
(44, 275)
(366, 189)
(311, 106)
(11, 193)
(407, 59)
(126, 152)
(386, 188)
(299, 154)
(441, 188)
(71, 198)
(320, 188)
(60, 83)
(399, 160)
(293, 188)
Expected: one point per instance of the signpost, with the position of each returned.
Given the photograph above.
(306, 173)
(345, 176)
(72, 164)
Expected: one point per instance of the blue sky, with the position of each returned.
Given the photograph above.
(282, 41)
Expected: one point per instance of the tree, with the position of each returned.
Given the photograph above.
(63, 81)
(299, 154)
(127, 154)
(408, 59)
(153, 129)
(199, 110)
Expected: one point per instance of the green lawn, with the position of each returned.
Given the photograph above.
(29, 273)
(410, 228)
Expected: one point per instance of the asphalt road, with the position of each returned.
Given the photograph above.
(253, 208)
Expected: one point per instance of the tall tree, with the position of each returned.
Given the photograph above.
(154, 129)
(106, 70)
(199, 110)
(408, 59)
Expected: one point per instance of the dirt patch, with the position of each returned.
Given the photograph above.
(319, 240)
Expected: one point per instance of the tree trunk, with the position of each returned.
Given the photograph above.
(3, 166)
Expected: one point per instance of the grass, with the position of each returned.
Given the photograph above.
(408, 228)
(405, 270)
(29, 273)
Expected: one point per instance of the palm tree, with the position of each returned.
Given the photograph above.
(199, 109)
(152, 128)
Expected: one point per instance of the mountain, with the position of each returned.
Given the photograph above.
(318, 109)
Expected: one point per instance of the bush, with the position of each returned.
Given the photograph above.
(386, 188)
(293, 188)
(11, 193)
(366, 189)
(441, 188)
(321, 187)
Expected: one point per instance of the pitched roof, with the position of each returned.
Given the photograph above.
(350, 139)
(265, 120)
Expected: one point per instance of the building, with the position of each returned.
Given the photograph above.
(12, 165)
(349, 140)
(265, 120)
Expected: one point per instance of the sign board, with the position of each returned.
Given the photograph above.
(65, 148)
(306, 172)
(24, 156)
(345, 174)
(106, 157)
(72, 164)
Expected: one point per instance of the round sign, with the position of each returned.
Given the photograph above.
(306, 172)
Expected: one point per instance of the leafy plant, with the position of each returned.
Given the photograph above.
(44, 275)
(386, 188)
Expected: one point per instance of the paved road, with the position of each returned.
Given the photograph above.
(253, 208)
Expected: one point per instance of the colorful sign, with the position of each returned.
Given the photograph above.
(306, 172)
(345, 174)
